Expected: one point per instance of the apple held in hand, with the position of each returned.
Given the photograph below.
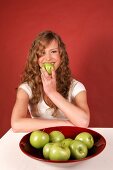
(59, 153)
(87, 138)
(38, 139)
(66, 142)
(56, 136)
(78, 149)
(49, 67)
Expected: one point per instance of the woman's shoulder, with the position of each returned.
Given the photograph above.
(76, 87)
(77, 83)
(25, 86)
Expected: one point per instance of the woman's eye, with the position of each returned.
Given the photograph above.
(55, 51)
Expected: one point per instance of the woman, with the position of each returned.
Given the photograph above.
(54, 99)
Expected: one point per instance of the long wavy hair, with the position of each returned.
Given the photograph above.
(32, 74)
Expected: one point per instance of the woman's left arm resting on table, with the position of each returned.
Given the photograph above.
(77, 112)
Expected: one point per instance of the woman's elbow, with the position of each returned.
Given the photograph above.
(14, 126)
(84, 123)
(14, 129)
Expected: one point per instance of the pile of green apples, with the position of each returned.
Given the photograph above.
(58, 148)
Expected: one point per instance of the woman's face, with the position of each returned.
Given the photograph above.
(50, 54)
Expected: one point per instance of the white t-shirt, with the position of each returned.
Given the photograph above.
(44, 111)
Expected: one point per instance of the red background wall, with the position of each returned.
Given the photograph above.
(86, 26)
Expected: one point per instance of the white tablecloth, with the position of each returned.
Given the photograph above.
(12, 158)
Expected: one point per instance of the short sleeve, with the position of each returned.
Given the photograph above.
(76, 87)
(27, 89)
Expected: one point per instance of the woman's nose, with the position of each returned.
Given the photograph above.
(48, 56)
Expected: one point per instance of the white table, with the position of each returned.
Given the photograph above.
(12, 158)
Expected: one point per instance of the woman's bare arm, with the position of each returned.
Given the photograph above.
(77, 112)
(21, 123)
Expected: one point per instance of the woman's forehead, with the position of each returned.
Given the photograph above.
(50, 44)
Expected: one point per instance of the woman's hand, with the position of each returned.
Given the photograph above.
(48, 81)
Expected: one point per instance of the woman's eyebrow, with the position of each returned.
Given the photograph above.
(56, 48)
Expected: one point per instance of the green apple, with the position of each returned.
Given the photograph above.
(78, 149)
(38, 139)
(59, 153)
(49, 67)
(66, 142)
(87, 138)
(56, 136)
(46, 150)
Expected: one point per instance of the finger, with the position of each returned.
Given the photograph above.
(45, 77)
(42, 69)
(53, 74)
